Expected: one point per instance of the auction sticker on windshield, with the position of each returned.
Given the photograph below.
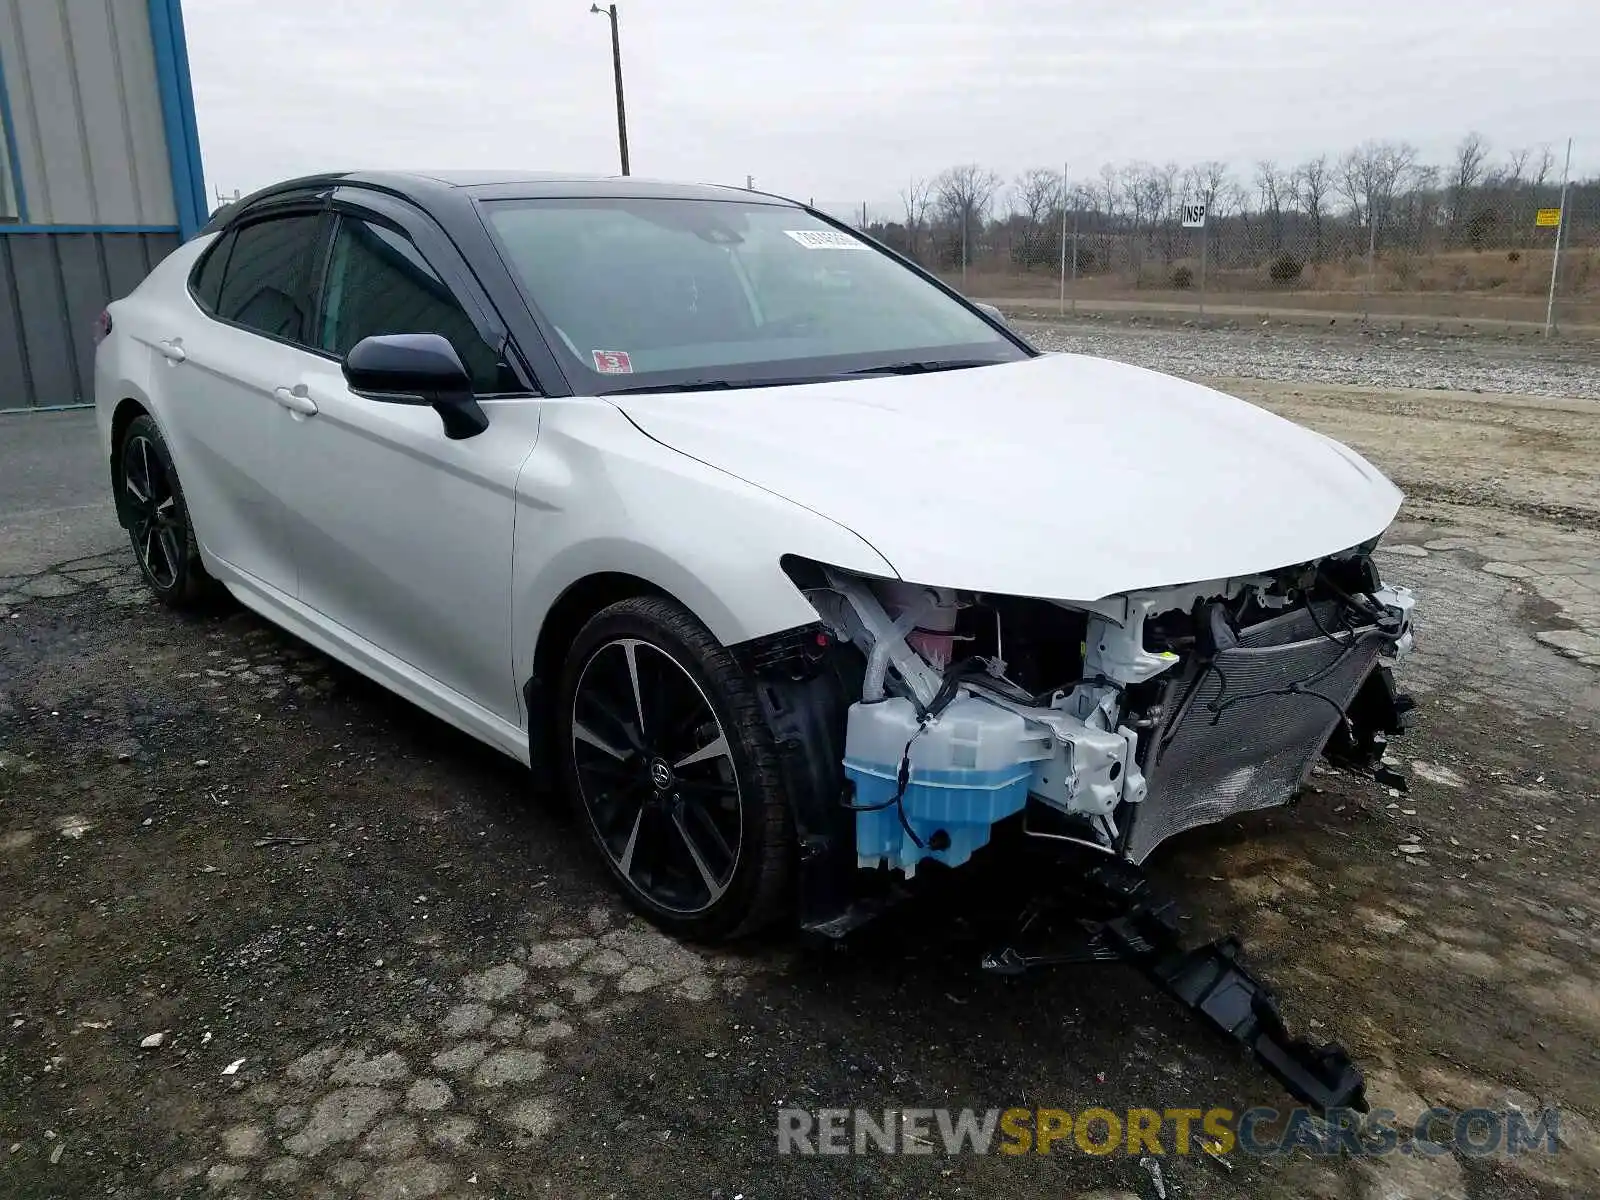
(824, 239)
(613, 362)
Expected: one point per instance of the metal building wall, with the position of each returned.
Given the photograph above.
(52, 286)
(86, 109)
(99, 125)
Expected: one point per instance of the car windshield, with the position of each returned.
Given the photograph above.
(645, 293)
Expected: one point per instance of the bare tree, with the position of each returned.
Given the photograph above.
(1164, 181)
(1038, 190)
(1370, 176)
(964, 195)
(1109, 192)
(1207, 182)
(1509, 180)
(1542, 166)
(1275, 188)
(917, 198)
(1312, 183)
(1350, 187)
(1516, 164)
(1466, 172)
(1107, 199)
(1141, 191)
(1417, 203)
(1124, 216)
(1134, 197)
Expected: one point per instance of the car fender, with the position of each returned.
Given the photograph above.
(121, 373)
(599, 497)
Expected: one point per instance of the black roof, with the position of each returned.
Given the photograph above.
(427, 188)
(505, 184)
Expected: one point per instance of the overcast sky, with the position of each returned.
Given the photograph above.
(846, 101)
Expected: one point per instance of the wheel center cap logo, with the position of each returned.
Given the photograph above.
(661, 774)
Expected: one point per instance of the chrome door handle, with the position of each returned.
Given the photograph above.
(173, 351)
(295, 402)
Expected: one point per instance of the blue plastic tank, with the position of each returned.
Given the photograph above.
(969, 769)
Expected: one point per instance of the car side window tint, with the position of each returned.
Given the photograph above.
(378, 282)
(263, 284)
(208, 278)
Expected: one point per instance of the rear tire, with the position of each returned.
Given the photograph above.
(151, 499)
(671, 765)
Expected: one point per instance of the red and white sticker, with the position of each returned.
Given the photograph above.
(613, 362)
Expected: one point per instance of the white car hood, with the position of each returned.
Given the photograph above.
(1065, 476)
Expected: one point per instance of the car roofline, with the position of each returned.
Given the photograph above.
(428, 188)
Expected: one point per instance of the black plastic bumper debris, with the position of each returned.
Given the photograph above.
(1139, 928)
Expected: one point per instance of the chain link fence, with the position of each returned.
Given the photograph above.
(1376, 232)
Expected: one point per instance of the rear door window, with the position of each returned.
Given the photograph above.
(264, 281)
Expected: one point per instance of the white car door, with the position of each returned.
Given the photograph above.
(404, 537)
(220, 364)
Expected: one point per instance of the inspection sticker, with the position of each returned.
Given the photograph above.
(824, 239)
(613, 362)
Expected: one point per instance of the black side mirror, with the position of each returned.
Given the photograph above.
(416, 368)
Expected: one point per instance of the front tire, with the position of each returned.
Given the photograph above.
(157, 519)
(671, 764)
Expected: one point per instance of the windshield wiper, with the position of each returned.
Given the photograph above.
(919, 368)
(688, 385)
(717, 385)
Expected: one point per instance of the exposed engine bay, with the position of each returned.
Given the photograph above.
(1114, 724)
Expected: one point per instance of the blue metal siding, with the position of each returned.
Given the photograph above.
(8, 229)
(177, 108)
(52, 285)
(9, 128)
(104, 153)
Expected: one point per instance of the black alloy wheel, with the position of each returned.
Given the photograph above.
(670, 761)
(157, 519)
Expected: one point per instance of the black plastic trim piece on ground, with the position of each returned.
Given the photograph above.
(1139, 928)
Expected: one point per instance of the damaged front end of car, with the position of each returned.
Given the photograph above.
(915, 721)
(1117, 723)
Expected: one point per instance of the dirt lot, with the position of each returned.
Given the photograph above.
(210, 832)
(1518, 307)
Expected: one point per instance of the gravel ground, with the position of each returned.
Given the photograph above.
(1368, 359)
(271, 932)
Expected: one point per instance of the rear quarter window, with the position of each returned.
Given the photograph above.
(205, 283)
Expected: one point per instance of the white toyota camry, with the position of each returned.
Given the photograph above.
(805, 573)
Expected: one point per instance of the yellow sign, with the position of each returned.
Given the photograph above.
(1548, 217)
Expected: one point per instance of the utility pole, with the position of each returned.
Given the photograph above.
(1075, 207)
(616, 67)
(1061, 311)
(1372, 255)
(1555, 259)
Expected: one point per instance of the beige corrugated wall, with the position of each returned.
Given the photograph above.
(87, 112)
